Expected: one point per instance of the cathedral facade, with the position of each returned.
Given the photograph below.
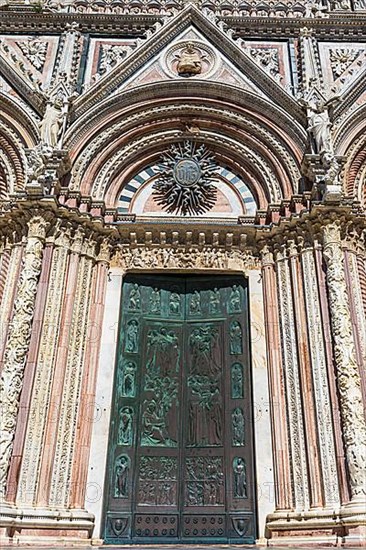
(183, 272)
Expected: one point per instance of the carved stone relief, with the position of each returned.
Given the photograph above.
(18, 341)
(348, 377)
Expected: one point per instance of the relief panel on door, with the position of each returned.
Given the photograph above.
(180, 462)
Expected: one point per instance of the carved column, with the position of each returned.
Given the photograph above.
(86, 413)
(323, 405)
(312, 443)
(348, 376)
(40, 400)
(10, 271)
(292, 378)
(283, 482)
(356, 303)
(18, 341)
(327, 332)
(29, 372)
(55, 392)
(70, 401)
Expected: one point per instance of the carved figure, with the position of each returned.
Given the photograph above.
(155, 301)
(127, 384)
(154, 426)
(51, 125)
(237, 381)
(134, 301)
(319, 126)
(174, 303)
(235, 300)
(236, 339)
(238, 426)
(131, 345)
(190, 62)
(121, 477)
(162, 352)
(125, 431)
(195, 303)
(240, 478)
(214, 305)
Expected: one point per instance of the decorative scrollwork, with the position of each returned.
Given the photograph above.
(186, 181)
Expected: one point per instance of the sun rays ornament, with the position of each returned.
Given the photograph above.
(186, 183)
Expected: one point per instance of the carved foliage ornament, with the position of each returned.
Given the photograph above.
(186, 182)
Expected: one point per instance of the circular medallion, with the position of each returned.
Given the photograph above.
(202, 62)
(187, 172)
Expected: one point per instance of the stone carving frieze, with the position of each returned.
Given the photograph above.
(184, 258)
(348, 377)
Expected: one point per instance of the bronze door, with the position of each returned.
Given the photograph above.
(180, 463)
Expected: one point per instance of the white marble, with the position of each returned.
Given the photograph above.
(261, 404)
(104, 389)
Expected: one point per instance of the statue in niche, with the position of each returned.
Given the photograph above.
(175, 304)
(240, 478)
(190, 61)
(236, 338)
(125, 430)
(195, 303)
(131, 345)
(238, 427)
(214, 304)
(134, 301)
(237, 381)
(52, 122)
(127, 384)
(155, 301)
(235, 300)
(121, 477)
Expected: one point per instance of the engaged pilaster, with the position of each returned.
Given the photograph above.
(18, 341)
(348, 376)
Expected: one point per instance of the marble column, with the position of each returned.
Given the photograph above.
(10, 275)
(87, 413)
(18, 339)
(40, 400)
(348, 376)
(65, 432)
(56, 389)
(299, 465)
(29, 373)
(323, 420)
(307, 390)
(280, 435)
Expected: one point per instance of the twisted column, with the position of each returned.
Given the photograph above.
(348, 376)
(18, 341)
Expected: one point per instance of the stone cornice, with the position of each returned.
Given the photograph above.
(336, 26)
(297, 225)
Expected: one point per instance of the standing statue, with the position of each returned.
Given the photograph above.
(238, 427)
(240, 478)
(125, 430)
(52, 123)
(121, 481)
(236, 342)
(135, 298)
(319, 126)
(131, 344)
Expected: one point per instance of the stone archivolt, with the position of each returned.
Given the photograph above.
(58, 216)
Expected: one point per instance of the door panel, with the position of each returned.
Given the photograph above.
(180, 463)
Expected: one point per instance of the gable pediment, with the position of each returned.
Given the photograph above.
(151, 61)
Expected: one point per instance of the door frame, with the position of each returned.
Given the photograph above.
(263, 468)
